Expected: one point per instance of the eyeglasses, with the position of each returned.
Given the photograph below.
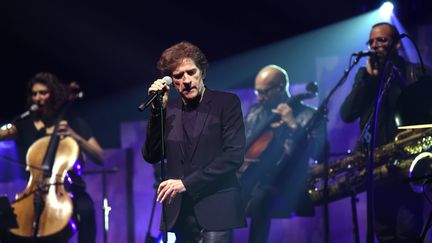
(190, 72)
(267, 91)
(381, 40)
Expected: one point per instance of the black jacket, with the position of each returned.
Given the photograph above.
(360, 101)
(210, 175)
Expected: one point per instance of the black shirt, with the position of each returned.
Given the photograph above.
(27, 134)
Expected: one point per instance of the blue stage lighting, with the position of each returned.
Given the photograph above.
(171, 238)
(386, 10)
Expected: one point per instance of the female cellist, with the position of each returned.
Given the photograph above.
(49, 94)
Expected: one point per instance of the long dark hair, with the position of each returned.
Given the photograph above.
(56, 89)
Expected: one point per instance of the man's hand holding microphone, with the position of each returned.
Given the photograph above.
(161, 87)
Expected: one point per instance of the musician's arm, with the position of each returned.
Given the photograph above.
(91, 148)
(360, 98)
(85, 139)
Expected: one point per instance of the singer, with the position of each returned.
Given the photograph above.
(204, 148)
(49, 94)
(398, 210)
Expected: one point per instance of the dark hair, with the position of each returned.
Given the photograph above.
(395, 32)
(56, 88)
(174, 55)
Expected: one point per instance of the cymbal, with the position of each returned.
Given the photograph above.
(414, 105)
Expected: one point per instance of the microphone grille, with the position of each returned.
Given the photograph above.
(168, 80)
(34, 107)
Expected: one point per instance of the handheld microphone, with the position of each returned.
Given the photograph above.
(365, 53)
(149, 99)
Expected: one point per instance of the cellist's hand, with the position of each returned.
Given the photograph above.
(64, 130)
(287, 116)
(90, 147)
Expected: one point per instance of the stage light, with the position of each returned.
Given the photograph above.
(171, 238)
(386, 10)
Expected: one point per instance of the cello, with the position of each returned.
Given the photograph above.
(258, 142)
(251, 171)
(44, 210)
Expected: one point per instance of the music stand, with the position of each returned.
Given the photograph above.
(105, 205)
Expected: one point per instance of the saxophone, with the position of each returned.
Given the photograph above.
(408, 155)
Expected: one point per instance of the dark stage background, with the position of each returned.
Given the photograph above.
(111, 47)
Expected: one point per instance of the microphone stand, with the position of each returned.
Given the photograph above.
(162, 164)
(354, 200)
(159, 103)
(321, 114)
(143, 106)
(149, 238)
(384, 84)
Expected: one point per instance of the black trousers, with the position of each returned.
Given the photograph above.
(398, 213)
(188, 230)
(259, 210)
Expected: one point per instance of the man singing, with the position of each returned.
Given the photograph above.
(204, 143)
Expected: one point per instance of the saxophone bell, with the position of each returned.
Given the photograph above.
(420, 172)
